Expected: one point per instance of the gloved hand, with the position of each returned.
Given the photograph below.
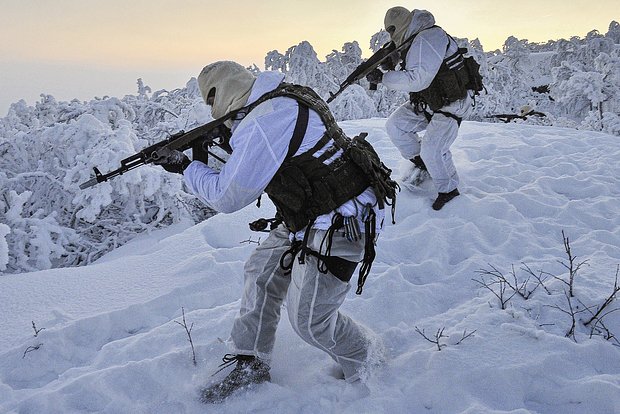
(375, 77)
(171, 160)
(391, 61)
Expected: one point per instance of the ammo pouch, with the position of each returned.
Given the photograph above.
(305, 188)
(474, 82)
(457, 74)
(449, 85)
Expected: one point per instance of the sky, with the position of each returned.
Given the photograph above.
(86, 48)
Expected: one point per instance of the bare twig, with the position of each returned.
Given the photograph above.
(572, 266)
(541, 277)
(607, 302)
(250, 241)
(498, 286)
(600, 328)
(36, 331)
(465, 336)
(438, 335)
(572, 311)
(31, 348)
(188, 330)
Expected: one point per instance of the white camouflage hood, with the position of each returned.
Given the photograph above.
(406, 23)
(232, 83)
(421, 20)
(396, 22)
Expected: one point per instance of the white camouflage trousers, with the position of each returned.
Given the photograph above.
(434, 147)
(313, 301)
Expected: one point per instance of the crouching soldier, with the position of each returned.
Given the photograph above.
(433, 71)
(330, 193)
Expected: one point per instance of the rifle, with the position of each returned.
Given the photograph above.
(506, 118)
(380, 57)
(200, 140)
(366, 67)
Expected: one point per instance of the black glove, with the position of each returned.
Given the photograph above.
(171, 160)
(390, 62)
(375, 77)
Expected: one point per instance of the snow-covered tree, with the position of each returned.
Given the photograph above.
(353, 103)
(378, 40)
(276, 61)
(49, 149)
(341, 64)
(4, 246)
(613, 32)
(304, 68)
(587, 83)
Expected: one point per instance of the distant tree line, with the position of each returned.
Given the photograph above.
(48, 149)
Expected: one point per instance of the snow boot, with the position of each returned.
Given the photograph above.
(248, 372)
(418, 173)
(443, 198)
(418, 162)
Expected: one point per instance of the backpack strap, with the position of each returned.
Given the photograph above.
(301, 125)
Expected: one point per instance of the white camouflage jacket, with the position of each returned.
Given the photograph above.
(260, 142)
(427, 52)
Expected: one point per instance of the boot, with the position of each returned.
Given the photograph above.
(418, 173)
(248, 372)
(443, 198)
(418, 162)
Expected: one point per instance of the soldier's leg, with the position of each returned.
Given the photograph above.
(266, 284)
(402, 127)
(253, 333)
(435, 152)
(313, 303)
(440, 134)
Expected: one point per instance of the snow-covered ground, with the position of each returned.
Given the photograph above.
(111, 344)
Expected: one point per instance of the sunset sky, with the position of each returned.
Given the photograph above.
(87, 48)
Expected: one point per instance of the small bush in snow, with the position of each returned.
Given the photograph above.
(588, 319)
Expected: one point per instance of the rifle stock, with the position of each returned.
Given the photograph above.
(201, 138)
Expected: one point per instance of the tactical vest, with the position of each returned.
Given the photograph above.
(456, 76)
(304, 187)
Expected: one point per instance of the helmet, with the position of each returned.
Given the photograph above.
(397, 20)
(225, 86)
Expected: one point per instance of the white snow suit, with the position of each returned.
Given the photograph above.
(428, 50)
(260, 143)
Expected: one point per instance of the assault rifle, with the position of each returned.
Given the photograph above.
(506, 118)
(373, 62)
(200, 140)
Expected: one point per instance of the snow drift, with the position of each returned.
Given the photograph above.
(106, 338)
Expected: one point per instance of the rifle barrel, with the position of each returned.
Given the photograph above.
(366, 67)
(180, 141)
(93, 181)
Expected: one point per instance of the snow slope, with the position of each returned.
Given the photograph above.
(111, 343)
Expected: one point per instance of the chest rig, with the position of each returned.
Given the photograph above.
(456, 76)
(305, 186)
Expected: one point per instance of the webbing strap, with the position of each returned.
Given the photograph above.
(300, 129)
(451, 115)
